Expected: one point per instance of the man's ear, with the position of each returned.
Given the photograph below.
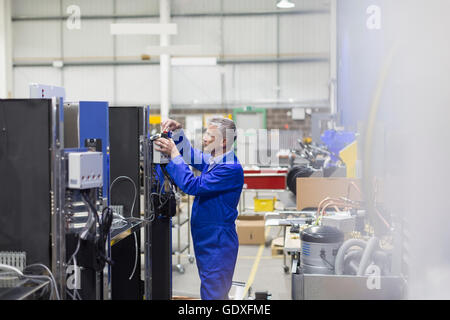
(224, 143)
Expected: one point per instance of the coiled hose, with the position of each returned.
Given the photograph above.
(366, 253)
(339, 262)
(366, 258)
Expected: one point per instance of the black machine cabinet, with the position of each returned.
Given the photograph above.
(25, 165)
(125, 132)
(36, 215)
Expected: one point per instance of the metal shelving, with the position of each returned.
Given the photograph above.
(178, 223)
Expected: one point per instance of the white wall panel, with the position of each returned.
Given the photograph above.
(201, 84)
(36, 39)
(137, 7)
(195, 6)
(305, 33)
(91, 7)
(89, 83)
(198, 31)
(311, 4)
(249, 5)
(304, 82)
(249, 82)
(26, 75)
(137, 85)
(250, 35)
(92, 40)
(134, 45)
(35, 8)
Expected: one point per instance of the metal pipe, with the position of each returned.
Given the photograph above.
(6, 74)
(233, 104)
(179, 15)
(164, 12)
(140, 62)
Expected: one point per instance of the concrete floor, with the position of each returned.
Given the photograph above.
(269, 275)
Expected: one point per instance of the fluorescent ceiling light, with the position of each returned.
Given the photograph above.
(285, 4)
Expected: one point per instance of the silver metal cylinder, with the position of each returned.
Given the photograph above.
(318, 258)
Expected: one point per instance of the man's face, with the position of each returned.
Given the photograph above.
(212, 140)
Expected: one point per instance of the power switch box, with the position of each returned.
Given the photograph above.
(85, 170)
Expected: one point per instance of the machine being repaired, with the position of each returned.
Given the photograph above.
(348, 254)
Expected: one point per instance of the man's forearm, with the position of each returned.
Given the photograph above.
(190, 155)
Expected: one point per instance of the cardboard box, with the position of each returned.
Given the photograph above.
(311, 191)
(251, 229)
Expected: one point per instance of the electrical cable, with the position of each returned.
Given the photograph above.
(322, 255)
(75, 252)
(91, 224)
(105, 226)
(50, 274)
(75, 272)
(21, 274)
(75, 266)
(136, 256)
(135, 190)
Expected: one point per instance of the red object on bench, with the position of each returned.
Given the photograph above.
(268, 179)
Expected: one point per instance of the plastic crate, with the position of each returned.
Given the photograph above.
(264, 205)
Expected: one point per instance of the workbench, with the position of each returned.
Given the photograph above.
(24, 289)
(286, 219)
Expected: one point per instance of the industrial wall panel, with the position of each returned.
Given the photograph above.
(92, 40)
(25, 75)
(311, 4)
(304, 82)
(137, 7)
(132, 46)
(305, 34)
(36, 39)
(250, 36)
(35, 8)
(196, 84)
(251, 82)
(89, 83)
(89, 7)
(137, 85)
(195, 6)
(204, 32)
(249, 5)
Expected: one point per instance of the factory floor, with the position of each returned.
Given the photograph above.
(256, 267)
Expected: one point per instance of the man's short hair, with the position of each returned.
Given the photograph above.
(227, 128)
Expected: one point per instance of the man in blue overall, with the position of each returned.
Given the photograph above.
(217, 192)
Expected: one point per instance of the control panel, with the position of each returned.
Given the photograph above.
(85, 170)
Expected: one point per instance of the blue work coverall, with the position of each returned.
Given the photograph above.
(214, 211)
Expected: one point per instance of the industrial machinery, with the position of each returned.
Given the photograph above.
(321, 160)
(86, 125)
(30, 147)
(160, 207)
(51, 204)
(88, 222)
(55, 201)
(320, 245)
(341, 257)
(126, 130)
